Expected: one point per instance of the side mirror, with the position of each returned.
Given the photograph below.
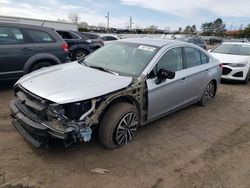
(163, 74)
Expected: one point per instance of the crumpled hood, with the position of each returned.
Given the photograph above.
(228, 58)
(72, 82)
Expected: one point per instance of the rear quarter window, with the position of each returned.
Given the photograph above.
(204, 58)
(40, 36)
(90, 36)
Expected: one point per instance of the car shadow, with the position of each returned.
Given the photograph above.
(7, 85)
(232, 82)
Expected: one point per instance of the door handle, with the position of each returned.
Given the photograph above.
(27, 49)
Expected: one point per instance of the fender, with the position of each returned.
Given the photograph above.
(32, 60)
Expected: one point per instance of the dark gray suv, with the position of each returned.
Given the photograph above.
(194, 40)
(25, 48)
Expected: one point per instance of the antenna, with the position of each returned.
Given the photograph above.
(43, 22)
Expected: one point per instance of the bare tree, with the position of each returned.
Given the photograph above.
(180, 30)
(127, 26)
(137, 26)
(61, 20)
(167, 29)
(151, 29)
(102, 25)
(73, 17)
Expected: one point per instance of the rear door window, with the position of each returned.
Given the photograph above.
(10, 35)
(91, 36)
(40, 36)
(171, 60)
(193, 57)
(67, 35)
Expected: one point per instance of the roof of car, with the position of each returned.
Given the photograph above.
(104, 35)
(152, 41)
(23, 25)
(240, 43)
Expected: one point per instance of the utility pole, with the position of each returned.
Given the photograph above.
(107, 21)
(130, 23)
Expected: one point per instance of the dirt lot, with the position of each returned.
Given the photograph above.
(195, 147)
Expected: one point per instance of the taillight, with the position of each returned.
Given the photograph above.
(65, 47)
(221, 65)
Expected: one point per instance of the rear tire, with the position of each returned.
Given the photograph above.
(118, 125)
(40, 65)
(78, 54)
(208, 95)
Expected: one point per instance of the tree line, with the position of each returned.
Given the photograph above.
(244, 33)
(216, 28)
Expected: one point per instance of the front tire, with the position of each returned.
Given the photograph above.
(118, 125)
(208, 94)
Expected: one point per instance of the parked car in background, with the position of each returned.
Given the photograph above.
(123, 85)
(235, 57)
(26, 48)
(79, 45)
(108, 38)
(95, 39)
(194, 40)
(244, 40)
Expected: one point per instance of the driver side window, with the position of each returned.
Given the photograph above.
(171, 60)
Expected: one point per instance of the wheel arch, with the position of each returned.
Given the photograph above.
(125, 98)
(38, 58)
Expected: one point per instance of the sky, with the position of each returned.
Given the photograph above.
(163, 13)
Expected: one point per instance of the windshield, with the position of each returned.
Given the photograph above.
(124, 58)
(235, 49)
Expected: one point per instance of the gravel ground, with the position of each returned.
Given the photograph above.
(195, 147)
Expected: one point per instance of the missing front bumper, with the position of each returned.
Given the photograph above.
(35, 131)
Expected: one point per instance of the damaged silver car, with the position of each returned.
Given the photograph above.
(116, 89)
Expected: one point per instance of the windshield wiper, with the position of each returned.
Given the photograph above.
(102, 69)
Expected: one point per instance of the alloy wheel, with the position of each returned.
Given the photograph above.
(80, 55)
(126, 128)
(209, 93)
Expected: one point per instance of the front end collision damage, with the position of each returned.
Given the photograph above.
(63, 123)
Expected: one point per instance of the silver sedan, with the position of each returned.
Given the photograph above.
(116, 89)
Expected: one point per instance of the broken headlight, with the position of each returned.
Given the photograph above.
(75, 110)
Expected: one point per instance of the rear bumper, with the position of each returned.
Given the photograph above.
(34, 130)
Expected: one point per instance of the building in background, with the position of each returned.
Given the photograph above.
(46, 23)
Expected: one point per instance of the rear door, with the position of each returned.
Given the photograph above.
(194, 63)
(14, 52)
(44, 42)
